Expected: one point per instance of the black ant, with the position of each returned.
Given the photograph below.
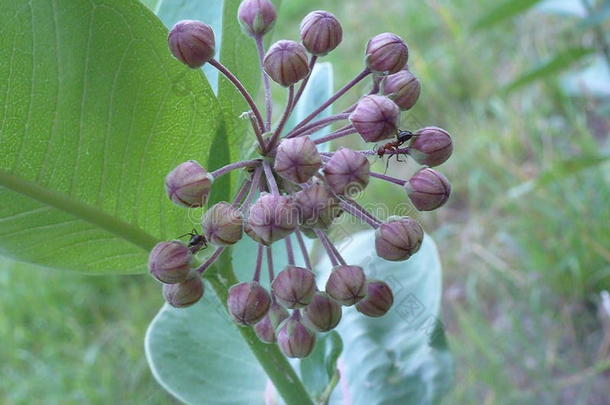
(393, 146)
(197, 241)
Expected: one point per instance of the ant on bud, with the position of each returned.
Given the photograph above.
(393, 146)
(197, 241)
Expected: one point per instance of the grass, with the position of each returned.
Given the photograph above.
(525, 238)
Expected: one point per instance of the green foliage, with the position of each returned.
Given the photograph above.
(198, 356)
(319, 370)
(560, 62)
(93, 131)
(401, 358)
(502, 11)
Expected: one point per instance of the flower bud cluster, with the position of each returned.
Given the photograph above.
(294, 188)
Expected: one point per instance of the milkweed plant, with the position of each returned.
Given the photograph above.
(292, 191)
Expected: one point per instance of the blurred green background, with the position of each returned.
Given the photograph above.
(524, 239)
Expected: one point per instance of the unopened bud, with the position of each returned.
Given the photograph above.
(286, 62)
(189, 184)
(248, 303)
(223, 224)
(256, 16)
(398, 238)
(321, 32)
(273, 217)
(294, 287)
(184, 294)
(375, 118)
(428, 189)
(403, 88)
(295, 339)
(347, 172)
(322, 314)
(317, 206)
(192, 42)
(378, 301)
(170, 262)
(297, 159)
(265, 329)
(386, 53)
(432, 146)
(346, 284)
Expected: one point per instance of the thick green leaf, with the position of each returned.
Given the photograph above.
(401, 358)
(502, 11)
(210, 12)
(88, 131)
(558, 63)
(319, 371)
(198, 356)
(151, 4)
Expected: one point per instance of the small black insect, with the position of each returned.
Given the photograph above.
(197, 241)
(401, 138)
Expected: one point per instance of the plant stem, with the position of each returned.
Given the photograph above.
(279, 371)
(329, 251)
(317, 125)
(211, 260)
(334, 98)
(240, 87)
(390, 179)
(283, 120)
(289, 250)
(312, 63)
(259, 263)
(270, 179)
(303, 248)
(256, 180)
(357, 213)
(233, 166)
(268, 100)
(334, 249)
(340, 133)
(270, 263)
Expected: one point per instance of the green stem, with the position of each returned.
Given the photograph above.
(279, 371)
(88, 213)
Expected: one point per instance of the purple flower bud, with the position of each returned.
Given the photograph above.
(256, 16)
(386, 53)
(248, 302)
(294, 287)
(378, 301)
(347, 172)
(403, 88)
(428, 189)
(223, 224)
(248, 231)
(297, 159)
(398, 238)
(322, 314)
(265, 329)
(294, 339)
(375, 118)
(317, 206)
(170, 262)
(184, 294)
(431, 147)
(189, 184)
(286, 62)
(321, 32)
(346, 284)
(192, 42)
(273, 217)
